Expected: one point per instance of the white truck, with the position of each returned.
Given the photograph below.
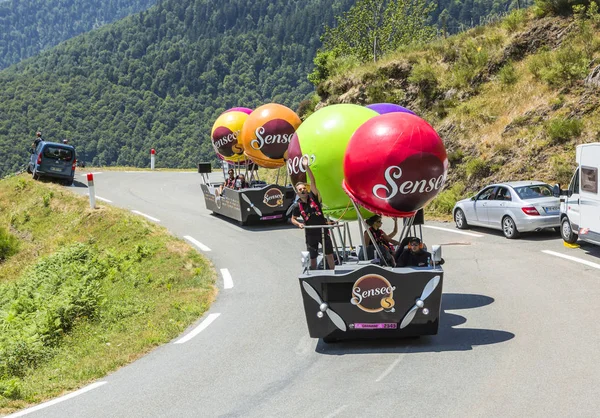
(580, 203)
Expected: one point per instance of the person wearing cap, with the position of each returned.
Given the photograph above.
(414, 256)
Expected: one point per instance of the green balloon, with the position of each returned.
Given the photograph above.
(324, 137)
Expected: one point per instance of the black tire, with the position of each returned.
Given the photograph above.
(509, 228)
(69, 182)
(29, 169)
(566, 231)
(460, 219)
(35, 175)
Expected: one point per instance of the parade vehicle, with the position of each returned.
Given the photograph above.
(364, 298)
(257, 203)
(366, 162)
(580, 203)
(246, 139)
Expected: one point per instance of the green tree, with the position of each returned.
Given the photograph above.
(371, 28)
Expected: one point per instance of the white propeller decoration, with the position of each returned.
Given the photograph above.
(247, 199)
(427, 291)
(291, 208)
(335, 318)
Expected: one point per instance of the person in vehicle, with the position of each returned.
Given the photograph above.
(310, 212)
(241, 183)
(229, 182)
(383, 240)
(415, 255)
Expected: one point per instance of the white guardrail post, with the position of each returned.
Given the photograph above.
(152, 158)
(92, 190)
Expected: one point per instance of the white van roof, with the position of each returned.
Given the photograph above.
(588, 154)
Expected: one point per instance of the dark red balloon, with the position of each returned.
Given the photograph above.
(395, 164)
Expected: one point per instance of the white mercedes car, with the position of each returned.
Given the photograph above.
(511, 207)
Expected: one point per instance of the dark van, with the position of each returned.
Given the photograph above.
(55, 160)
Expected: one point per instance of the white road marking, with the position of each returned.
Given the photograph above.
(389, 369)
(103, 199)
(203, 325)
(337, 411)
(568, 257)
(57, 400)
(145, 216)
(452, 230)
(227, 279)
(197, 243)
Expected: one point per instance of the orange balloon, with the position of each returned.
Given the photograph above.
(267, 133)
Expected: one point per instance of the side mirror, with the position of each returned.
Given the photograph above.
(556, 190)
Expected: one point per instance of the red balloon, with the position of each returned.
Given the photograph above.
(395, 164)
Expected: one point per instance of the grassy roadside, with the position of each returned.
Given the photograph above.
(86, 291)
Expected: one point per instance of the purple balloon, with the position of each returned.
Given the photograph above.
(383, 108)
(239, 109)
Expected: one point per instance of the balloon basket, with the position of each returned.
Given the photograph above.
(353, 302)
(255, 205)
(361, 299)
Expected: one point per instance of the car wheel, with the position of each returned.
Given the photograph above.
(460, 219)
(29, 169)
(35, 175)
(509, 228)
(567, 232)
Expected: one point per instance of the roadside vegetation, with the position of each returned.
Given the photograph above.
(511, 100)
(83, 292)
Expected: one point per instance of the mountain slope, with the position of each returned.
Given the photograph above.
(511, 100)
(28, 27)
(160, 78)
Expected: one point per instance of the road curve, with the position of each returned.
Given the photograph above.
(518, 334)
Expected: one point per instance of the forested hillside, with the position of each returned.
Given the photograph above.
(29, 27)
(159, 79)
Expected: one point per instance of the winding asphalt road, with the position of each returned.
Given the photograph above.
(518, 335)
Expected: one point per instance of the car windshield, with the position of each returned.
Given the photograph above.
(534, 191)
(58, 153)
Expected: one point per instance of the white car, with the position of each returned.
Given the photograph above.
(511, 207)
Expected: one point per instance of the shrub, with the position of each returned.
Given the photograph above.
(557, 7)
(514, 20)
(562, 67)
(424, 77)
(9, 244)
(539, 63)
(472, 59)
(508, 75)
(562, 169)
(477, 167)
(561, 130)
(445, 201)
(45, 304)
(455, 157)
